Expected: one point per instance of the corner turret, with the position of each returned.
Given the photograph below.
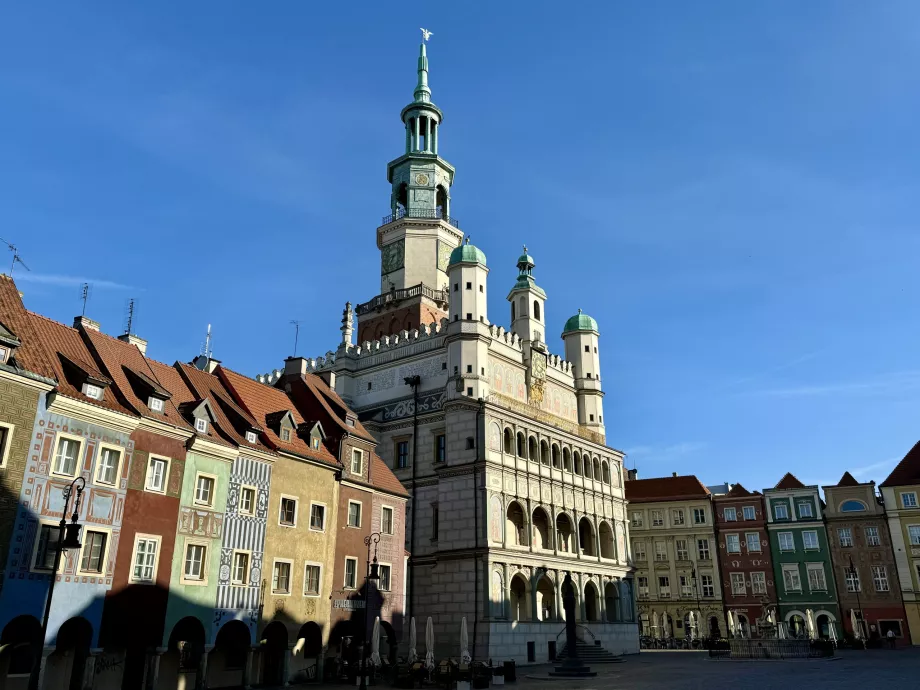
(581, 349)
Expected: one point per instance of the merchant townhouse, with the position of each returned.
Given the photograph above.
(674, 550)
(499, 441)
(802, 569)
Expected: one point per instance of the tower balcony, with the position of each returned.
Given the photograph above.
(429, 213)
(394, 297)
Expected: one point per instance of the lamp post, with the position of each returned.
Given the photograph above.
(696, 589)
(68, 538)
(859, 620)
(372, 575)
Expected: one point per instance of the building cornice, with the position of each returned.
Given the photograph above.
(165, 429)
(27, 379)
(200, 445)
(92, 414)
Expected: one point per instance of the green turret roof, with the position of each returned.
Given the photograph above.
(467, 253)
(579, 322)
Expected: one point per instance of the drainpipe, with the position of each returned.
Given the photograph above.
(479, 414)
(413, 381)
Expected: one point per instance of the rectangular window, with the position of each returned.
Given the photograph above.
(286, 436)
(661, 551)
(47, 545)
(872, 537)
(816, 579)
(781, 511)
(664, 587)
(845, 536)
(637, 518)
(157, 469)
(287, 512)
(65, 457)
(317, 517)
(239, 572)
(709, 589)
(92, 559)
(440, 448)
(107, 465)
(91, 391)
(201, 425)
(357, 461)
(251, 437)
(311, 583)
(702, 548)
(678, 517)
(386, 520)
(880, 578)
(786, 541)
(155, 404)
(680, 546)
(733, 543)
(758, 583)
(354, 514)
(281, 578)
(643, 586)
(204, 489)
(6, 433)
(434, 521)
(351, 573)
(384, 583)
(145, 559)
(909, 500)
(402, 454)
(810, 540)
(657, 519)
(749, 513)
(639, 550)
(686, 589)
(792, 580)
(247, 500)
(852, 579)
(699, 516)
(731, 514)
(738, 586)
(806, 509)
(753, 542)
(195, 561)
(913, 531)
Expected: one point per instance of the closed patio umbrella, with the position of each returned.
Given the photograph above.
(655, 628)
(854, 621)
(413, 655)
(429, 644)
(781, 630)
(810, 622)
(375, 642)
(465, 657)
(731, 624)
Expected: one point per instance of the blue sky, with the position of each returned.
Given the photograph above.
(730, 188)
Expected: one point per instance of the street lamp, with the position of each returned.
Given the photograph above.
(373, 575)
(854, 574)
(696, 589)
(68, 538)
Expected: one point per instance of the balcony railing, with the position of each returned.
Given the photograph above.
(434, 214)
(397, 295)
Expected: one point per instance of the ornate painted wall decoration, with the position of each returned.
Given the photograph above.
(496, 518)
(495, 436)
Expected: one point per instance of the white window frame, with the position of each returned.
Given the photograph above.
(700, 549)
(708, 584)
(701, 513)
(319, 588)
(681, 554)
(657, 518)
(252, 437)
(38, 533)
(781, 506)
(661, 551)
(913, 499)
(213, 495)
(873, 539)
(736, 591)
(8, 441)
(61, 436)
(296, 500)
(677, 516)
(156, 561)
(913, 538)
(155, 404)
(91, 390)
(639, 552)
(811, 509)
(201, 425)
(779, 541)
(883, 571)
(356, 453)
(389, 587)
(792, 568)
(325, 516)
(255, 499)
(280, 593)
(640, 588)
(150, 459)
(744, 511)
(637, 522)
(345, 584)
(664, 588)
(805, 546)
(747, 542)
(205, 569)
(816, 567)
(728, 538)
(233, 555)
(730, 510)
(852, 580)
(360, 514)
(118, 464)
(392, 519)
(104, 557)
(845, 533)
(759, 585)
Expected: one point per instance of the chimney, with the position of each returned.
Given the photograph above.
(632, 475)
(295, 366)
(673, 474)
(329, 377)
(208, 364)
(132, 339)
(85, 322)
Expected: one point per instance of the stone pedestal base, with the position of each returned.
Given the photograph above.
(572, 668)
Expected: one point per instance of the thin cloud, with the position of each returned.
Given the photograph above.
(885, 384)
(69, 281)
(773, 370)
(862, 471)
(671, 451)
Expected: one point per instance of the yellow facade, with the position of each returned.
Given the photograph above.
(902, 504)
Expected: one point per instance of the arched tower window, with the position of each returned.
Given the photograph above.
(513, 317)
(401, 200)
(536, 310)
(443, 202)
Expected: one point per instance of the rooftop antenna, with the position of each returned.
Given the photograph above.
(16, 257)
(206, 350)
(130, 316)
(296, 325)
(84, 296)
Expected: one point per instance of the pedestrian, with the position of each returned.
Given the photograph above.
(891, 638)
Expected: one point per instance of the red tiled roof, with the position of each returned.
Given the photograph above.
(665, 489)
(382, 477)
(789, 482)
(907, 471)
(262, 402)
(207, 386)
(120, 359)
(62, 341)
(847, 480)
(30, 355)
(334, 406)
(172, 381)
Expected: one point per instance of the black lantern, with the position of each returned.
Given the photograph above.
(375, 570)
(71, 536)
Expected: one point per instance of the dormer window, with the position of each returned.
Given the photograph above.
(91, 391)
(4, 355)
(285, 434)
(155, 404)
(350, 421)
(201, 425)
(251, 437)
(315, 443)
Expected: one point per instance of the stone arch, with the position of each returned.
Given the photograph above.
(497, 597)
(496, 520)
(389, 641)
(556, 457)
(588, 467)
(274, 647)
(183, 653)
(544, 453)
(597, 469)
(542, 532)
(519, 597)
(612, 602)
(521, 445)
(576, 459)
(516, 524)
(508, 441)
(795, 623)
(852, 505)
(592, 602)
(565, 533)
(606, 471)
(608, 543)
(228, 658)
(309, 640)
(66, 665)
(495, 437)
(532, 449)
(546, 599)
(824, 620)
(20, 645)
(443, 201)
(586, 541)
(536, 309)
(566, 460)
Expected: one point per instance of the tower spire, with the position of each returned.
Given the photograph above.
(422, 92)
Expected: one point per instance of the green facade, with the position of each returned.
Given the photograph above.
(802, 568)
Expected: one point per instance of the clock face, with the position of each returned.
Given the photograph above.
(391, 257)
(421, 179)
(538, 366)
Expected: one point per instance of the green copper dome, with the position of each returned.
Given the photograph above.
(580, 322)
(467, 253)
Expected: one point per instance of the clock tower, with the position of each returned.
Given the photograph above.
(418, 236)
